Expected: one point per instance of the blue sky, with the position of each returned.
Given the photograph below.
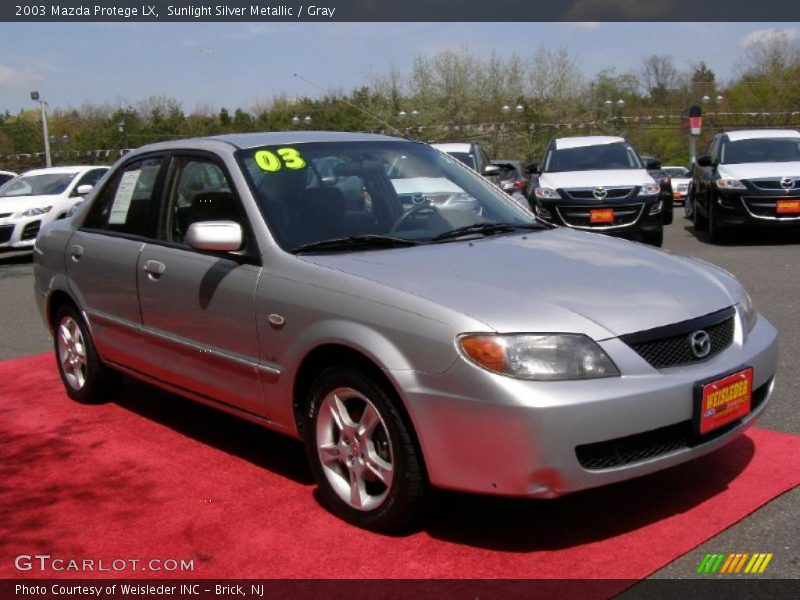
(227, 64)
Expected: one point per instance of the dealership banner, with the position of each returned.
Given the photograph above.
(407, 10)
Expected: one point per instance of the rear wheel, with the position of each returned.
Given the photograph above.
(85, 377)
(362, 453)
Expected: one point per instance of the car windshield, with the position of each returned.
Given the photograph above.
(37, 185)
(676, 171)
(508, 171)
(593, 158)
(760, 150)
(405, 192)
(465, 157)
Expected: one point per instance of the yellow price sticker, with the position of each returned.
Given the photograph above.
(272, 162)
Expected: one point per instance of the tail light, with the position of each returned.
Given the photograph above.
(519, 184)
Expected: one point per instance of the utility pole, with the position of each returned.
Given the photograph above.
(35, 97)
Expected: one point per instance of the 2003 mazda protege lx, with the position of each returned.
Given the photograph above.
(400, 314)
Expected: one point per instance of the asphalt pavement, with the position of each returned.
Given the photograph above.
(767, 263)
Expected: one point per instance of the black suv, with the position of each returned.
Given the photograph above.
(748, 178)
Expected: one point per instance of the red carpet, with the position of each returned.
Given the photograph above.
(153, 476)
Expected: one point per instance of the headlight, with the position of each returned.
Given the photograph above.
(546, 193)
(748, 310)
(549, 357)
(32, 212)
(648, 189)
(730, 184)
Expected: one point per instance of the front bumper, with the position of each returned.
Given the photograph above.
(632, 215)
(19, 233)
(756, 207)
(492, 434)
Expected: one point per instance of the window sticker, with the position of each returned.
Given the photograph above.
(122, 199)
(272, 162)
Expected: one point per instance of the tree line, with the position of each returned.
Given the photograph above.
(454, 95)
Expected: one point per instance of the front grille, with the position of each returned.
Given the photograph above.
(579, 216)
(31, 230)
(670, 346)
(653, 444)
(588, 193)
(6, 231)
(773, 184)
(766, 208)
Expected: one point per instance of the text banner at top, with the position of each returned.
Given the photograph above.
(401, 10)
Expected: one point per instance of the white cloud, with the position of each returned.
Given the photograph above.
(18, 80)
(767, 36)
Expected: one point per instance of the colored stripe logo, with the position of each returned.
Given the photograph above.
(733, 563)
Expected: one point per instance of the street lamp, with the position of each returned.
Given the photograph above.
(296, 121)
(35, 97)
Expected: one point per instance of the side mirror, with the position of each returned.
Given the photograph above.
(215, 236)
(84, 189)
(705, 161)
(491, 170)
(652, 164)
(532, 169)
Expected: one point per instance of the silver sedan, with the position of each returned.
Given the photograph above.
(423, 332)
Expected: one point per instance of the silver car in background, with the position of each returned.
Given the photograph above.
(452, 342)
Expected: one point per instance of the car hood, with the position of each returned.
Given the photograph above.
(13, 204)
(551, 280)
(759, 170)
(579, 179)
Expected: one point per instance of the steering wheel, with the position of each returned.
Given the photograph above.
(414, 210)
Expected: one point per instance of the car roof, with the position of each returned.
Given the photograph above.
(454, 147)
(60, 170)
(589, 140)
(7, 173)
(752, 134)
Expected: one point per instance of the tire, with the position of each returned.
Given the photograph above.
(669, 209)
(688, 208)
(85, 377)
(654, 238)
(716, 233)
(362, 452)
(700, 222)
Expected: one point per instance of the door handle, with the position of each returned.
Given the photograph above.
(154, 268)
(76, 252)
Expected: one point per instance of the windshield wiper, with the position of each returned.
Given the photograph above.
(484, 229)
(356, 242)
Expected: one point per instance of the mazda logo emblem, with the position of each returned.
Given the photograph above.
(701, 343)
(787, 183)
(600, 192)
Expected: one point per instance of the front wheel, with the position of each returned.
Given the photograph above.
(362, 452)
(85, 377)
(654, 238)
(716, 233)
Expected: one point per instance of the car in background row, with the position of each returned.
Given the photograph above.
(665, 182)
(748, 177)
(513, 180)
(472, 155)
(37, 197)
(435, 345)
(599, 183)
(681, 180)
(6, 175)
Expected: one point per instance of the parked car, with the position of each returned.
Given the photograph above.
(681, 178)
(37, 197)
(748, 178)
(599, 183)
(6, 175)
(665, 182)
(513, 180)
(436, 345)
(472, 155)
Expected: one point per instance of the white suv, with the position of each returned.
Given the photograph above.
(599, 183)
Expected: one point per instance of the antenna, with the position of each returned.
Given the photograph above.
(356, 106)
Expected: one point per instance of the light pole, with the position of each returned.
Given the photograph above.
(35, 97)
(306, 121)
